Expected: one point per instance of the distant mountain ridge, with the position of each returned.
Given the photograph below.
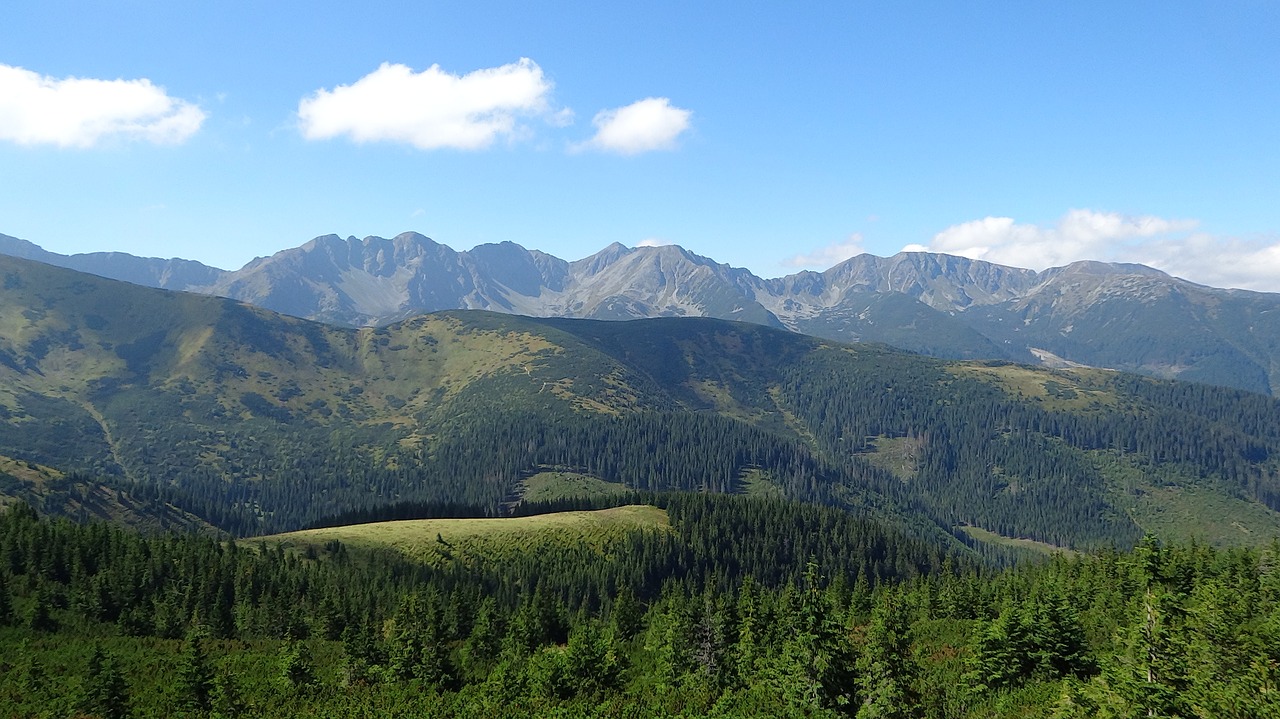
(1119, 316)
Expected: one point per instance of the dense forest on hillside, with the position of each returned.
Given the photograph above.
(856, 620)
(167, 409)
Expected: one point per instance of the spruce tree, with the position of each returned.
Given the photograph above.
(482, 647)
(296, 665)
(747, 647)
(195, 676)
(885, 668)
(228, 703)
(6, 602)
(40, 616)
(627, 615)
(106, 695)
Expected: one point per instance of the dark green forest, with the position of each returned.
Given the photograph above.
(749, 607)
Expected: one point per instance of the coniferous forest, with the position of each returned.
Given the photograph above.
(208, 510)
(742, 607)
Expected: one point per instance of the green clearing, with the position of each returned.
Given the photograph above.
(1178, 506)
(555, 485)
(898, 455)
(987, 537)
(439, 541)
(1186, 513)
(759, 483)
(1065, 389)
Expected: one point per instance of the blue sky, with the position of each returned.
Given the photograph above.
(775, 137)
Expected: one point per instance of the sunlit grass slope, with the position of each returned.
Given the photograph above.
(436, 541)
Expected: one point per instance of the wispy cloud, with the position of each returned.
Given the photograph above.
(643, 126)
(1245, 263)
(1175, 246)
(83, 112)
(432, 109)
(825, 257)
(652, 242)
(1080, 234)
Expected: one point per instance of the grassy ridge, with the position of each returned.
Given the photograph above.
(439, 541)
(554, 485)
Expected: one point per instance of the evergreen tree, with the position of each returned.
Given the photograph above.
(711, 645)
(362, 656)
(227, 700)
(885, 667)
(1002, 653)
(484, 644)
(670, 639)
(6, 601)
(627, 615)
(33, 680)
(747, 648)
(40, 615)
(592, 662)
(1058, 639)
(418, 649)
(296, 665)
(195, 676)
(106, 695)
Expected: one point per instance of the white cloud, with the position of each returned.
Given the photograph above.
(1080, 234)
(81, 112)
(652, 242)
(431, 109)
(830, 255)
(1173, 246)
(1251, 264)
(643, 126)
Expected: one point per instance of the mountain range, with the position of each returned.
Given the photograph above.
(133, 402)
(1106, 315)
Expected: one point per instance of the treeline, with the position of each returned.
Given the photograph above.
(156, 585)
(136, 626)
(479, 463)
(1013, 465)
(1058, 458)
(1023, 466)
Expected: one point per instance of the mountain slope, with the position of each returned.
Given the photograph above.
(172, 274)
(256, 421)
(1117, 316)
(1135, 319)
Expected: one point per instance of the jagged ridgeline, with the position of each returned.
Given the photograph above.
(119, 400)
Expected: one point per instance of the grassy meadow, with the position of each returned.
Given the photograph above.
(438, 541)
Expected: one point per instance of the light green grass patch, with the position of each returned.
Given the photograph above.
(555, 485)
(1179, 506)
(1183, 513)
(900, 456)
(29, 472)
(988, 537)
(759, 483)
(440, 541)
(1063, 389)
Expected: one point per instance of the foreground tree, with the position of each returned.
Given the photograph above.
(106, 695)
(885, 667)
(195, 676)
